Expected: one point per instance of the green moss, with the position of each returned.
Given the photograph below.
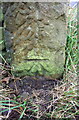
(1, 15)
(41, 68)
(46, 62)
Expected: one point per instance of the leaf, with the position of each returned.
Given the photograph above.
(1, 41)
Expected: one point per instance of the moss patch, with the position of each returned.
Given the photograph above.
(37, 65)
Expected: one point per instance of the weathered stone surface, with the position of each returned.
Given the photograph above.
(38, 34)
(1, 37)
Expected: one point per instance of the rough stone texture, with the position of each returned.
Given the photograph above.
(35, 36)
(1, 30)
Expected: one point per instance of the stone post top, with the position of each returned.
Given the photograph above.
(34, 1)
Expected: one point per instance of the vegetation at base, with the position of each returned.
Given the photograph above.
(72, 47)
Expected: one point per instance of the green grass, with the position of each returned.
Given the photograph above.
(68, 103)
(72, 47)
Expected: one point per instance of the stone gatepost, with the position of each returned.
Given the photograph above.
(35, 36)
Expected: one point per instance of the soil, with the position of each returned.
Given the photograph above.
(38, 89)
(29, 84)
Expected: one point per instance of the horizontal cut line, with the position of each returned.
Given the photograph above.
(36, 59)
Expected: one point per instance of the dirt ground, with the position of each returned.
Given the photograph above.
(37, 91)
(37, 88)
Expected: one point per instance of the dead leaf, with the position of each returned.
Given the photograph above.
(6, 80)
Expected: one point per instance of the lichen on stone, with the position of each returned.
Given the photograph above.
(39, 38)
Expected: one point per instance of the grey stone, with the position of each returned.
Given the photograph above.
(39, 38)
